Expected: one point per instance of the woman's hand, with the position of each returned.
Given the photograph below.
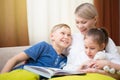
(94, 70)
(99, 64)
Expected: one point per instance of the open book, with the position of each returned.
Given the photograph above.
(51, 72)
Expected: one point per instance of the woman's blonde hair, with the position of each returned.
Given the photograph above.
(86, 10)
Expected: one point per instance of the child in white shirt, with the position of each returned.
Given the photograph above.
(96, 40)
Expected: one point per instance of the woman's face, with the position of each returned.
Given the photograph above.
(84, 24)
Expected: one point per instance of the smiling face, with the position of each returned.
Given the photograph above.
(61, 37)
(84, 24)
(85, 17)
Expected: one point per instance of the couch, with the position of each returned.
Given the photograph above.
(8, 52)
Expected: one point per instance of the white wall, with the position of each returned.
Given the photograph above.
(44, 14)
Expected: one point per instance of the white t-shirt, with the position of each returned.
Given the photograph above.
(76, 52)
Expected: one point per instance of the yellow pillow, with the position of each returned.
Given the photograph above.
(88, 76)
(19, 74)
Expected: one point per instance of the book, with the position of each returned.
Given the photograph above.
(48, 72)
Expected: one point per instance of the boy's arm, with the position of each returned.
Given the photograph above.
(14, 61)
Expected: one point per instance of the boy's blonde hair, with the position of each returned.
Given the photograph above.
(58, 26)
(86, 10)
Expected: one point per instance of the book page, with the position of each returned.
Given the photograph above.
(50, 72)
(58, 71)
(40, 70)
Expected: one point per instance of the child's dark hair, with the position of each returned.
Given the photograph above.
(99, 34)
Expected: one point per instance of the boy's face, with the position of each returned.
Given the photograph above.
(91, 47)
(62, 37)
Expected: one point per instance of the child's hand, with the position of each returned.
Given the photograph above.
(83, 67)
(86, 65)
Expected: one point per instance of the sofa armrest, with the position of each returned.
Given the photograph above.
(7, 52)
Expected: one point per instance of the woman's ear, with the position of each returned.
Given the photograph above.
(96, 17)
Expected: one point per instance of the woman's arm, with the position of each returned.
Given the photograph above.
(14, 61)
(98, 68)
(111, 47)
(101, 63)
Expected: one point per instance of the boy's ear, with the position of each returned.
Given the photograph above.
(51, 36)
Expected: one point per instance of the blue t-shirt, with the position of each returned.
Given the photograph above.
(43, 54)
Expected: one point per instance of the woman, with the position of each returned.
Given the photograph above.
(86, 18)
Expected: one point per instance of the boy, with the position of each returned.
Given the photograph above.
(44, 54)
